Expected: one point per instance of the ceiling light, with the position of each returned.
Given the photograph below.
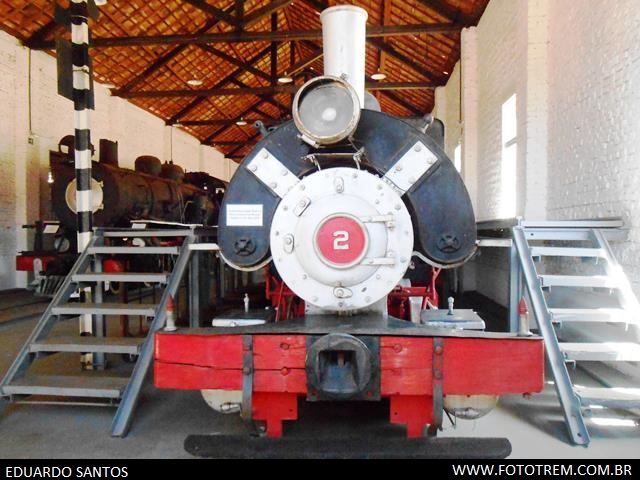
(241, 122)
(285, 78)
(446, 73)
(194, 82)
(100, 3)
(108, 85)
(378, 76)
(178, 124)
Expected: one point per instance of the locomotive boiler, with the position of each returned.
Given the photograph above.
(341, 200)
(153, 191)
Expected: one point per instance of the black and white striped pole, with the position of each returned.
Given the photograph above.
(82, 103)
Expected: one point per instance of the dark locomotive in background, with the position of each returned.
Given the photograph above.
(154, 191)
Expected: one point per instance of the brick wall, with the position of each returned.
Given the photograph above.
(26, 140)
(576, 72)
(594, 107)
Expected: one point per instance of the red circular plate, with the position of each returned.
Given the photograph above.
(341, 240)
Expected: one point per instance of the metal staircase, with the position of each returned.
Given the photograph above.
(594, 247)
(20, 385)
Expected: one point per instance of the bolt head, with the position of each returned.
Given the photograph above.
(284, 172)
(302, 187)
(265, 154)
(397, 207)
(253, 168)
(273, 185)
(399, 167)
(339, 293)
(418, 147)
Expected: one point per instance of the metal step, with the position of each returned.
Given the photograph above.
(609, 397)
(68, 386)
(134, 250)
(88, 344)
(121, 277)
(592, 315)
(145, 309)
(567, 252)
(133, 233)
(593, 281)
(602, 352)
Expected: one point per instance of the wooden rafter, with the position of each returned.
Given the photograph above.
(259, 91)
(191, 105)
(262, 36)
(216, 12)
(441, 7)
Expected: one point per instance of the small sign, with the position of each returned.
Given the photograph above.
(244, 215)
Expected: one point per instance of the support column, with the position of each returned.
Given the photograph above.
(82, 137)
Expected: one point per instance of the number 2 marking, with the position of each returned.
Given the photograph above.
(340, 240)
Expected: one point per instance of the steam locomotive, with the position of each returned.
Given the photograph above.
(153, 191)
(341, 200)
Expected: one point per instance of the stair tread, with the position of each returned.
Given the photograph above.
(619, 397)
(69, 386)
(105, 308)
(606, 351)
(134, 250)
(594, 281)
(120, 277)
(611, 315)
(77, 343)
(566, 252)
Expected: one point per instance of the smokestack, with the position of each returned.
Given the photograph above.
(343, 37)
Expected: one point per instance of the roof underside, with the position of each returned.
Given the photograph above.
(149, 49)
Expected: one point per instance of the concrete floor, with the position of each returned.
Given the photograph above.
(165, 418)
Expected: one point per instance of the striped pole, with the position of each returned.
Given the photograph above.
(81, 103)
(82, 144)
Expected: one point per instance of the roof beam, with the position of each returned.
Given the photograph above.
(258, 14)
(42, 33)
(191, 105)
(259, 91)
(164, 59)
(224, 121)
(403, 103)
(215, 11)
(392, 52)
(235, 61)
(262, 36)
(447, 11)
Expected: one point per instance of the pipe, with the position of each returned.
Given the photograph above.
(343, 39)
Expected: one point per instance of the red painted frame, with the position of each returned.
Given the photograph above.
(471, 366)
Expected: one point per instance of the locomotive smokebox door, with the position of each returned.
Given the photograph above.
(343, 367)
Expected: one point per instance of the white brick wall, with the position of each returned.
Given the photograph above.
(594, 112)
(24, 166)
(576, 70)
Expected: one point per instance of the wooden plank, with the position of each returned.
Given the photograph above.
(279, 351)
(221, 352)
(492, 367)
(195, 377)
